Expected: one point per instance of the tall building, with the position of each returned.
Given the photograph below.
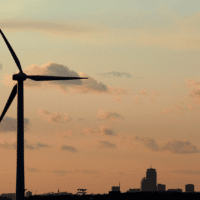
(189, 188)
(151, 176)
(150, 182)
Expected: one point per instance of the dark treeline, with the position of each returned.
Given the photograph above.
(5, 198)
(120, 196)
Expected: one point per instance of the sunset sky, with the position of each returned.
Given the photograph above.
(139, 106)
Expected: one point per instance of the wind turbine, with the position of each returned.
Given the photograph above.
(19, 89)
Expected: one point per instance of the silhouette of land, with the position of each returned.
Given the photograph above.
(124, 196)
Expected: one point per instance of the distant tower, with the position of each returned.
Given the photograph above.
(58, 190)
(151, 177)
(150, 182)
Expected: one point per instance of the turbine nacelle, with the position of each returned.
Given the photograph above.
(19, 77)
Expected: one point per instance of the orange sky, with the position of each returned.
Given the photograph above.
(138, 108)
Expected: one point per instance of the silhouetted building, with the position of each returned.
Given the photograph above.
(28, 193)
(115, 189)
(81, 191)
(150, 182)
(161, 187)
(189, 188)
(151, 176)
(144, 185)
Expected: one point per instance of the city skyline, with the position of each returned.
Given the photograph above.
(151, 185)
(139, 106)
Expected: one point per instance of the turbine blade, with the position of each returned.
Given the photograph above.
(12, 96)
(12, 52)
(53, 78)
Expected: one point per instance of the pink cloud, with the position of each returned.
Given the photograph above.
(117, 99)
(167, 110)
(190, 107)
(54, 117)
(152, 99)
(177, 109)
(191, 82)
(143, 92)
(102, 131)
(88, 131)
(64, 134)
(180, 108)
(155, 93)
(112, 115)
(138, 101)
(195, 90)
(117, 91)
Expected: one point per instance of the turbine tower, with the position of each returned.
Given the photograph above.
(19, 89)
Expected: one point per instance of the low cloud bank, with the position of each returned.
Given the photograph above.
(173, 146)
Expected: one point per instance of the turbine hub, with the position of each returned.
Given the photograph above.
(19, 77)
